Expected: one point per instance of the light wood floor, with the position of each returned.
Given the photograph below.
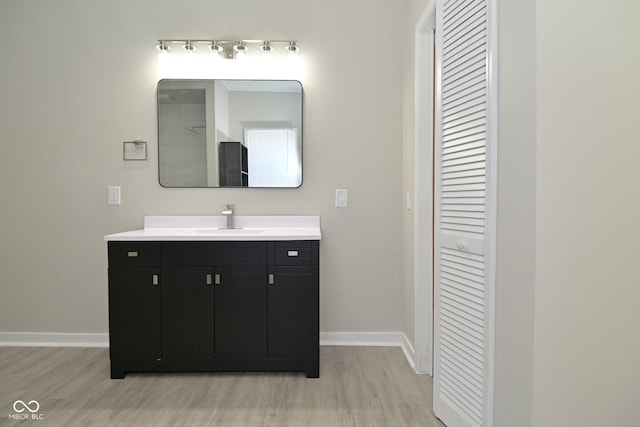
(358, 386)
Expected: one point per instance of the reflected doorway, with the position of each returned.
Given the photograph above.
(273, 157)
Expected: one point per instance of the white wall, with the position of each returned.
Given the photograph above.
(221, 94)
(252, 108)
(79, 77)
(587, 345)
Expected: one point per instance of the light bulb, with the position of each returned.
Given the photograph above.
(189, 47)
(216, 50)
(292, 48)
(240, 50)
(162, 47)
(266, 49)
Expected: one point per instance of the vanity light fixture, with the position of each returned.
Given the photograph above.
(229, 49)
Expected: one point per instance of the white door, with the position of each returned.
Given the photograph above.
(463, 289)
(273, 157)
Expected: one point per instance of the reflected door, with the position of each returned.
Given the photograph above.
(273, 158)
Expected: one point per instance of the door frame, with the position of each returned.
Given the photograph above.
(423, 188)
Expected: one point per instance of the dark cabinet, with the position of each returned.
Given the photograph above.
(234, 164)
(213, 306)
(134, 281)
(293, 298)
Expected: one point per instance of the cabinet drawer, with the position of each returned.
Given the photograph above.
(134, 254)
(297, 252)
(241, 253)
(214, 253)
(186, 253)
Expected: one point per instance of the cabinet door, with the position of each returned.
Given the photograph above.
(241, 312)
(293, 312)
(187, 312)
(134, 313)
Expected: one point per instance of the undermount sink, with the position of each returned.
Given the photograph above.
(217, 231)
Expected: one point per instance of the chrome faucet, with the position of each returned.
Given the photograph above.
(228, 212)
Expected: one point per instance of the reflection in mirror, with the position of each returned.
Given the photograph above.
(230, 133)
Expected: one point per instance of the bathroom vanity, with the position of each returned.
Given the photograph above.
(188, 295)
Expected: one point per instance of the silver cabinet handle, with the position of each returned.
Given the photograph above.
(154, 280)
(217, 279)
(292, 253)
(209, 280)
(272, 279)
(132, 254)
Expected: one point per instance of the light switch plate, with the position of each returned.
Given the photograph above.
(113, 195)
(342, 198)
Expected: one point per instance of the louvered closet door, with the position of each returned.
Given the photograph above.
(461, 323)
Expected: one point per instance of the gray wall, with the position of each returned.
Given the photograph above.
(516, 215)
(79, 77)
(588, 186)
(183, 153)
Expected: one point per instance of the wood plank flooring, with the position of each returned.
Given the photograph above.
(358, 386)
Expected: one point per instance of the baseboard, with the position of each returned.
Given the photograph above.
(34, 339)
(368, 339)
(371, 339)
(409, 352)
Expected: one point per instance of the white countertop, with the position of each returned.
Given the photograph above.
(211, 228)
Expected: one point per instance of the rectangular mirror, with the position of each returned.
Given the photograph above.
(230, 133)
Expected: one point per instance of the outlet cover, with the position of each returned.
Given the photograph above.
(113, 195)
(342, 198)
